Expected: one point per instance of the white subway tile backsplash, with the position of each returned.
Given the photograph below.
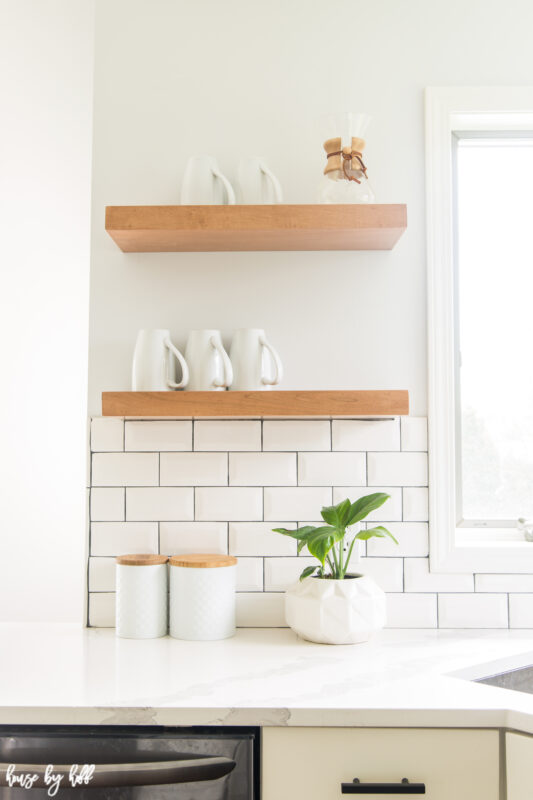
(193, 537)
(119, 538)
(391, 509)
(107, 505)
(362, 434)
(473, 611)
(280, 573)
(177, 486)
(387, 572)
(295, 503)
(521, 610)
(102, 609)
(227, 435)
(413, 540)
(160, 435)
(418, 578)
(415, 504)
(258, 539)
(250, 575)
(296, 435)
(102, 574)
(328, 469)
(229, 503)
(125, 469)
(504, 583)
(261, 610)
(194, 469)
(414, 433)
(397, 469)
(262, 469)
(159, 503)
(411, 610)
(107, 434)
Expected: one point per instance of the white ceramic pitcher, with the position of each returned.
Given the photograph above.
(204, 184)
(154, 363)
(209, 364)
(256, 365)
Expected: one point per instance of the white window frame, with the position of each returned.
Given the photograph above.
(449, 110)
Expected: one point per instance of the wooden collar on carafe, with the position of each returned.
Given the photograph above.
(342, 159)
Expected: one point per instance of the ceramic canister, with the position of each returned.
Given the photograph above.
(142, 596)
(202, 596)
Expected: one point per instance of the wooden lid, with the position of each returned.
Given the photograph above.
(141, 560)
(202, 560)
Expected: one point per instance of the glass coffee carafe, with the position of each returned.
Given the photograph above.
(345, 175)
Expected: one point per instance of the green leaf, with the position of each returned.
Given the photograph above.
(380, 532)
(320, 549)
(321, 542)
(362, 507)
(297, 533)
(324, 533)
(336, 515)
(307, 572)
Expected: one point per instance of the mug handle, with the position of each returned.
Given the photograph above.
(276, 185)
(183, 364)
(227, 379)
(230, 194)
(263, 341)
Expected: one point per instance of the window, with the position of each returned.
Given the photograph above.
(494, 328)
(480, 309)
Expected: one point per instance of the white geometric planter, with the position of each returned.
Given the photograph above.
(335, 612)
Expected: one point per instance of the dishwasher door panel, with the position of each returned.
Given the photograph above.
(203, 764)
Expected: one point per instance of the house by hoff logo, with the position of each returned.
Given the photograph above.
(78, 774)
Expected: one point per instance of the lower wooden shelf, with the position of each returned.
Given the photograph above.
(365, 403)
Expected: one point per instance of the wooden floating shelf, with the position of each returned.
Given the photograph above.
(381, 403)
(166, 229)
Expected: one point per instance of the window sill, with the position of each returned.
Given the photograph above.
(498, 550)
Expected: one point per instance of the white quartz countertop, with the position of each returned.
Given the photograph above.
(56, 674)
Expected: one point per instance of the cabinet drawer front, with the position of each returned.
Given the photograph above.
(312, 763)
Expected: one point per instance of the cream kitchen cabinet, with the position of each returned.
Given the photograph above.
(312, 763)
(519, 758)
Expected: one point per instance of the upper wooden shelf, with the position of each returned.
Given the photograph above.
(382, 403)
(165, 229)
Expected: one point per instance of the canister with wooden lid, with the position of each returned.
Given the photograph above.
(142, 596)
(202, 596)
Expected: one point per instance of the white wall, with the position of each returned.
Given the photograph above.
(46, 58)
(175, 78)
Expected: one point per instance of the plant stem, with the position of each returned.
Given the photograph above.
(336, 572)
(350, 552)
(332, 568)
(341, 566)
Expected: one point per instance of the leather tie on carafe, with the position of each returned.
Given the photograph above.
(343, 155)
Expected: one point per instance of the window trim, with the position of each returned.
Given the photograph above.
(450, 109)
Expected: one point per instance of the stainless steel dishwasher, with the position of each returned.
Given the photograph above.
(129, 763)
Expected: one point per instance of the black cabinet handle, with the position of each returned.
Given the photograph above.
(383, 788)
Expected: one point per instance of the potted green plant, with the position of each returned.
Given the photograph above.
(330, 604)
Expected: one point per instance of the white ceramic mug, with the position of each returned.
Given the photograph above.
(256, 365)
(209, 364)
(154, 367)
(257, 185)
(204, 184)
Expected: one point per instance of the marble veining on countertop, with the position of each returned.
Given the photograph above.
(66, 674)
